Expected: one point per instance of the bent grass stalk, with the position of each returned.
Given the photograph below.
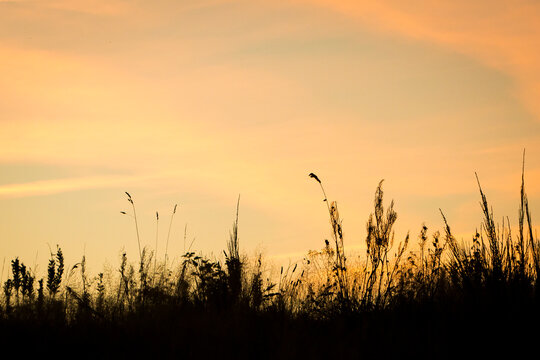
(130, 199)
(337, 234)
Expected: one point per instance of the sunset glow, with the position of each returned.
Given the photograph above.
(194, 103)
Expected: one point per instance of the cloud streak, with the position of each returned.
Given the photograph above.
(56, 186)
(500, 34)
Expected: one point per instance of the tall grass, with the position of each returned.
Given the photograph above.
(493, 275)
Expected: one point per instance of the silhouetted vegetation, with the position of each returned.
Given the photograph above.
(445, 297)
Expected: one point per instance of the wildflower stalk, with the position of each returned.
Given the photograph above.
(136, 223)
(340, 267)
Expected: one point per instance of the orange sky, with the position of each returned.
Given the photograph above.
(195, 104)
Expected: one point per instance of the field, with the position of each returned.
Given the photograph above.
(446, 298)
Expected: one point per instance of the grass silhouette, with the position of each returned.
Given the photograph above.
(446, 298)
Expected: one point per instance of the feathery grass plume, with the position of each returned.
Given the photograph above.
(491, 232)
(55, 271)
(27, 283)
(16, 270)
(60, 265)
(51, 277)
(100, 288)
(379, 241)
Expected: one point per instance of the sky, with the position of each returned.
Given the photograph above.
(198, 102)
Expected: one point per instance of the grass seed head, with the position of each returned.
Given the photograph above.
(312, 175)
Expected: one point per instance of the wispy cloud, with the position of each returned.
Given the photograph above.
(49, 187)
(501, 34)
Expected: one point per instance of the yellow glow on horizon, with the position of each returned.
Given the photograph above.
(197, 103)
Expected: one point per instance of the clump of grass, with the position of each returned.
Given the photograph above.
(380, 274)
(495, 244)
(55, 270)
